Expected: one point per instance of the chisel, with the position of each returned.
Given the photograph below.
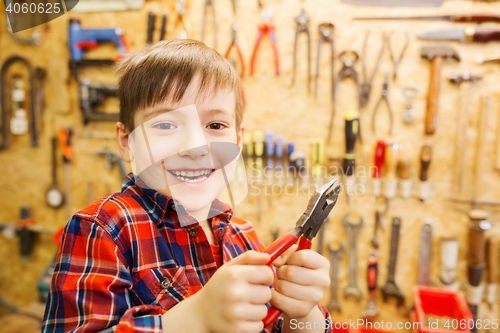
(425, 161)
(65, 134)
(351, 134)
(377, 169)
(390, 165)
(317, 159)
(404, 174)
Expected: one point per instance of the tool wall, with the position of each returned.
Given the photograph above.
(464, 169)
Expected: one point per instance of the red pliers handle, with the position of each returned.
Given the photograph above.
(275, 250)
(240, 57)
(263, 29)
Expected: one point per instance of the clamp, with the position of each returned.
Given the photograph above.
(383, 97)
(319, 207)
(325, 35)
(265, 27)
(302, 27)
(348, 59)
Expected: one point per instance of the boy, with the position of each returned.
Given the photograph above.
(165, 255)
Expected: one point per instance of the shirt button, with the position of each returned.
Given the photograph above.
(193, 233)
(165, 284)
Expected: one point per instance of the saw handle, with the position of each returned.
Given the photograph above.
(431, 115)
(275, 250)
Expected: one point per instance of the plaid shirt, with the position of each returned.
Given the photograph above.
(125, 260)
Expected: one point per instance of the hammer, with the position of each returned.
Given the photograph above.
(435, 54)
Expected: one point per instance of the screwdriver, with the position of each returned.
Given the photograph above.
(258, 149)
(351, 133)
(317, 159)
(425, 161)
(269, 169)
(65, 134)
(279, 153)
(377, 170)
(390, 165)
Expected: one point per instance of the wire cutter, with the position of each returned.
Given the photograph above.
(383, 97)
(320, 205)
(182, 20)
(238, 50)
(265, 27)
(302, 27)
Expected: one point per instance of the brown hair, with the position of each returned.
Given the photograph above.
(164, 71)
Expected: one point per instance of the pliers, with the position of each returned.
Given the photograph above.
(320, 205)
(238, 50)
(265, 27)
(383, 97)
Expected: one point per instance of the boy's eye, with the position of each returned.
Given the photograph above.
(216, 126)
(164, 126)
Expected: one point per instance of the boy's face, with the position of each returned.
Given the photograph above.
(179, 149)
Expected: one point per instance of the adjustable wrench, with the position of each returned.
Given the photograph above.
(335, 256)
(378, 223)
(424, 264)
(352, 229)
(390, 288)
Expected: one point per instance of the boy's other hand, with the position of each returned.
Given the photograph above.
(302, 279)
(234, 299)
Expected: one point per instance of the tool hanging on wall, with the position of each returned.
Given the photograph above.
(397, 60)
(383, 97)
(302, 27)
(182, 25)
(335, 257)
(378, 163)
(367, 81)
(258, 150)
(353, 229)
(390, 166)
(151, 27)
(390, 288)
(317, 160)
(490, 59)
(54, 195)
(465, 18)
(80, 39)
(349, 164)
(395, 3)
(425, 258)
(325, 36)
(409, 93)
(40, 75)
(448, 263)
(371, 310)
(88, 6)
(266, 27)
(209, 3)
(404, 175)
(425, 162)
(93, 95)
(348, 59)
(491, 291)
(463, 35)
(34, 121)
(464, 81)
(114, 158)
(435, 54)
(241, 65)
(280, 160)
(475, 260)
(269, 149)
(19, 120)
(379, 223)
(65, 134)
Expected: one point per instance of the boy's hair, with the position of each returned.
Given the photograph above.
(164, 71)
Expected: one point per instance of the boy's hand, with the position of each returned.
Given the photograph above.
(234, 299)
(302, 279)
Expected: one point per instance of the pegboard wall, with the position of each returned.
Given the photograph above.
(273, 103)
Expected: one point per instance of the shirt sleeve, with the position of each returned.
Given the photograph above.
(91, 285)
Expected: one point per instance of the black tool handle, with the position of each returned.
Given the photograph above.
(351, 133)
(151, 27)
(425, 161)
(163, 29)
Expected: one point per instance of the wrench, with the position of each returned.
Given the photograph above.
(424, 264)
(390, 289)
(335, 256)
(372, 310)
(378, 223)
(352, 230)
(321, 237)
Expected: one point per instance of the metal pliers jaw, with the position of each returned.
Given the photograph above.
(320, 205)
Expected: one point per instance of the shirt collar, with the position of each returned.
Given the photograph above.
(157, 205)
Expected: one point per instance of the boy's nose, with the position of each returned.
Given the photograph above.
(195, 153)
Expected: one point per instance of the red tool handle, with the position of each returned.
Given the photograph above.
(372, 274)
(275, 250)
(379, 158)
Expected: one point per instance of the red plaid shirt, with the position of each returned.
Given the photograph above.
(125, 260)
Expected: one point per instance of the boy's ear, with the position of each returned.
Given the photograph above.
(239, 135)
(122, 135)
